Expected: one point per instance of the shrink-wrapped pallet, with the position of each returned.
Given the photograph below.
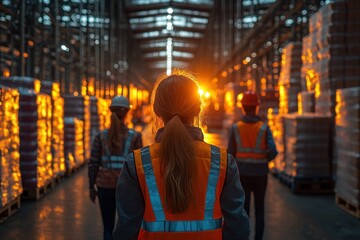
(74, 143)
(290, 77)
(99, 115)
(276, 125)
(57, 125)
(10, 176)
(79, 107)
(21, 82)
(331, 53)
(307, 139)
(348, 145)
(35, 139)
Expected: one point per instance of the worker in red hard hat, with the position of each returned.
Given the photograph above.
(108, 154)
(252, 145)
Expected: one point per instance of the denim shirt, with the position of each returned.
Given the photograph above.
(130, 203)
(250, 169)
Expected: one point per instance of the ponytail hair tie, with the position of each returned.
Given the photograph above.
(176, 114)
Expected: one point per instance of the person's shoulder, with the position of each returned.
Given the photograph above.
(136, 133)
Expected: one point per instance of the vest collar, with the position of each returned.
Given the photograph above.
(250, 118)
(195, 132)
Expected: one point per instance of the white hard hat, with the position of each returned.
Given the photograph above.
(120, 101)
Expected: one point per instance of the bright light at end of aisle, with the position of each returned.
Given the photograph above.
(201, 92)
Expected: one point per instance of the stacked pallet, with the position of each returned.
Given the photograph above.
(99, 115)
(57, 126)
(268, 100)
(21, 81)
(35, 143)
(276, 125)
(290, 77)
(10, 176)
(79, 107)
(307, 139)
(95, 117)
(348, 150)
(74, 143)
(331, 52)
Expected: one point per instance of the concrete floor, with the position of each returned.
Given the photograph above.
(66, 213)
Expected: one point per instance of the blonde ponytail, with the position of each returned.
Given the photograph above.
(177, 102)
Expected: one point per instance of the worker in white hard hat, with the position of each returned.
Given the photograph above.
(108, 154)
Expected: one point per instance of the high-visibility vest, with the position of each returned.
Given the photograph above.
(250, 142)
(115, 161)
(203, 218)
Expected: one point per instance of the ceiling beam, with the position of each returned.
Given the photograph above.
(176, 28)
(154, 6)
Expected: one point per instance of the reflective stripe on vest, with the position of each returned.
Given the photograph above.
(213, 179)
(182, 226)
(115, 161)
(163, 225)
(255, 150)
(151, 183)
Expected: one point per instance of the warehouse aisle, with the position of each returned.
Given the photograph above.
(66, 213)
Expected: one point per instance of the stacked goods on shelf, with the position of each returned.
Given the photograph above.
(290, 77)
(308, 75)
(268, 100)
(331, 52)
(307, 139)
(35, 140)
(10, 176)
(74, 143)
(306, 102)
(104, 112)
(79, 107)
(57, 125)
(21, 81)
(99, 115)
(276, 125)
(348, 149)
(95, 117)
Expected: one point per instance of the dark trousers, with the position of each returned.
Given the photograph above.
(257, 185)
(108, 209)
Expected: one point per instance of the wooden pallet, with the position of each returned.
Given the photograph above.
(347, 206)
(9, 209)
(307, 185)
(37, 193)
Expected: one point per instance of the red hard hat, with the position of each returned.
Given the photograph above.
(250, 99)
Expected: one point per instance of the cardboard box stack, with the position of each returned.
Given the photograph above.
(74, 143)
(268, 100)
(290, 78)
(57, 125)
(331, 52)
(79, 107)
(35, 139)
(10, 176)
(21, 81)
(276, 125)
(100, 114)
(348, 145)
(307, 139)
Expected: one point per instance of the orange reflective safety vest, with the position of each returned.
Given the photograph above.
(250, 142)
(203, 219)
